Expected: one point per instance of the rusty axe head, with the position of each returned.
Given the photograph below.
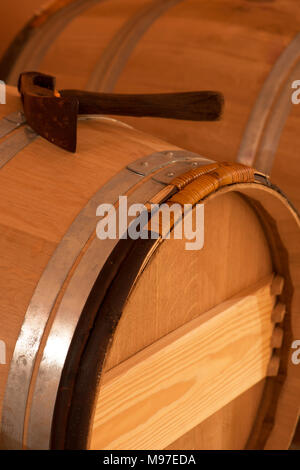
(50, 115)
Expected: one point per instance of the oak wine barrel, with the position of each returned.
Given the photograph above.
(13, 18)
(142, 343)
(248, 50)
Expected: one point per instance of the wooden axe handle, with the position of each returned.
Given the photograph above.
(192, 106)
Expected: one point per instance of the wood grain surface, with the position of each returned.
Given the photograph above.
(172, 299)
(42, 190)
(150, 400)
(227, 46)
(13, 18)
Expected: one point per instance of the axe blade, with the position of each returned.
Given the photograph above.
(49, 115)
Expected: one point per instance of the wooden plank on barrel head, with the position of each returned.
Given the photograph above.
(165, 390)
(277, 285)
(279, 312)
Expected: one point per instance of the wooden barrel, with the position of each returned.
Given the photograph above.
(146, 342)
(13, 19)
(244, 48)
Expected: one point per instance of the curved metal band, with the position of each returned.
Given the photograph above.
(29, 47)
(266, 122)
(24, 135)
(66, 319)
(14, 143)
(10, 123)
(117, 53)
(38, 314)
(275, 126)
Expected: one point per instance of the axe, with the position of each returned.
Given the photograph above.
(53, 114)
